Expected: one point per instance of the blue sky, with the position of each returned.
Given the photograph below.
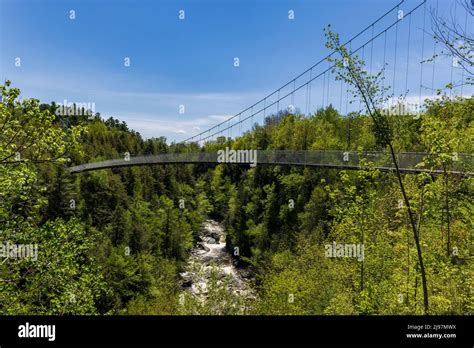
(186, 62)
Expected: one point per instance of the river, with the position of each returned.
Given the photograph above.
(211, 255)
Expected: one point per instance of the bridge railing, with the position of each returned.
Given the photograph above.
(407, 161)
(354, 159)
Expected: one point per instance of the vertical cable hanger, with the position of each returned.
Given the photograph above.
(310, 80)
(384, 63)
(327, 94)
(452, 63)
(408, 54)
(293, 93)
(324, 89)
(363, 61)
(462, 69)
(278, 102)
(347, 85)
(306, 102)
(264, 108)
(340, 97)
(251, 120)
(395, 58)
(434, 58)
(422, 52)
(371, 50)
(240, 125)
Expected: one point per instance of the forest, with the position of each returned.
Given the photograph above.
(115, 241)
(244, 238)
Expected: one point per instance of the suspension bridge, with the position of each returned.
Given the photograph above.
(347, 160)
(397, 44)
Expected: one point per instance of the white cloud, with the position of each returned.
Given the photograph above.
(171, 126)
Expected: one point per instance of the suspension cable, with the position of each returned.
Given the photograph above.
(313, 66)
(328, 69)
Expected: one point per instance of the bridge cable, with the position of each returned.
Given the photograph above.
(314, 65)
(328, 69)
(327, 94)
(310, 87)
(452, 62)
(395, 58)
(347, 85)
(324, 89)
(434, 57)
(306, 102)
(422, 53)
(278, 102)
(309, 92)
(384, 63)
(240, 126)
(372, 50)
(408, 54)
(251, 122)
(340, 97)
(363, 62)
(293, 94)
(264, 109)
(462, 69)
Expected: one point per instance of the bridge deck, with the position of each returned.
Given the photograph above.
(408, 161)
